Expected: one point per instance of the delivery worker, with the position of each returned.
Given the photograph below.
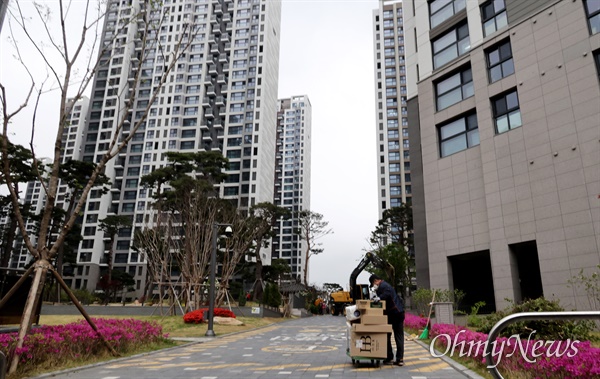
(394, 309)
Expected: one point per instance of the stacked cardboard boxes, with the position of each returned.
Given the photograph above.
(367, 335)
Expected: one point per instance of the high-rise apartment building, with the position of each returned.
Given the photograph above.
(393, 159)
(292, 178)
(220, 96)
(503, 104)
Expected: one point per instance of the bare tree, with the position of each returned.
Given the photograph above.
(311, 228)
(146, 18)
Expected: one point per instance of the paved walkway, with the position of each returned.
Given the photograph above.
(312, 347)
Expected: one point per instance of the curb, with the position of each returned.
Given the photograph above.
(191, 341)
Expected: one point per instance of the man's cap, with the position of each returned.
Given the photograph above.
(373, 278)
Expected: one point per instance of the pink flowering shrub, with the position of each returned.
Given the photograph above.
(197, 316)
(53, 345)
(530, 357)
(414, 322)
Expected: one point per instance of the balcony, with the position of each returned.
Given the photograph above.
(206, 103)
(220, 101)
(222, 111)
(210, 91)
(206, 124)
(219, 123)
(214, 48)
(218, 10)
(223, 58)
(222, 79)
(207, 137)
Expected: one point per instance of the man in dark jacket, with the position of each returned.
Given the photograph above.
(394, 307)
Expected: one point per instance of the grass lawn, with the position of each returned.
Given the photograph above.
(174, 325)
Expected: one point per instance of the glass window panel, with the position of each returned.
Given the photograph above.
(512, 101)
(495, 73)
(498, 5)
(468, 90)
(449, 98)
(592, 6)
(473, 138)
(445, 56)
(467, 76)
(501, 21)
(494, 57)
(442, 15)
(453, 145)
(502, 124)
(505, 51)
(448, 84)
(472, 121)
(500, 106)
(463, 46)
(595, 24)
(515, 119)
(508, 68)
(488, 11)
(445, 41)
(437, 5)
(489, 27)
(452, 128)
(459, 5)
(463, 31)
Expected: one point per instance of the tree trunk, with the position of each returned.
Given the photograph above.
(41, 269)
(257, 289)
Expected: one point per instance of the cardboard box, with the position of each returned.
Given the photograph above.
(372, 312)
(369, 319)
(361, 328)
(368, 304)
(369, 345)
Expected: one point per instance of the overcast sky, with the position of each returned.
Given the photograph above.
(327, 54)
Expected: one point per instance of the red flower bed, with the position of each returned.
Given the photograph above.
(197, 316)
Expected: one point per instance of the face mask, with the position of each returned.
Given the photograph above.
(375, 286)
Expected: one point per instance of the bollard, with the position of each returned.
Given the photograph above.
(2, 365)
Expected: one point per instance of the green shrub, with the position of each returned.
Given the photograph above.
(84, 296)
(548, 330)
(242, 298)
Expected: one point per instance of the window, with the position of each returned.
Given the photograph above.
(506, 111)
(592, 9)
(459, 135)
(441, 10)
(186, 145)
(451, 45)
(500, 61)
(493, 15)
(454, 89)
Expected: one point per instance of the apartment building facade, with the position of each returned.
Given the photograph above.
(292, 178)
(220, 96)
(393, 164)
(503, 104)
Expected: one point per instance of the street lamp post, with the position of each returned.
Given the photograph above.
(213, 268)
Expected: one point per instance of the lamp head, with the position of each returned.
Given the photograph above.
(228, 231)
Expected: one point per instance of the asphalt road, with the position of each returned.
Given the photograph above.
(313, 347)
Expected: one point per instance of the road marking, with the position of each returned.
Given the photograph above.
(322, 376)
(284, 372)
(298, 349)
